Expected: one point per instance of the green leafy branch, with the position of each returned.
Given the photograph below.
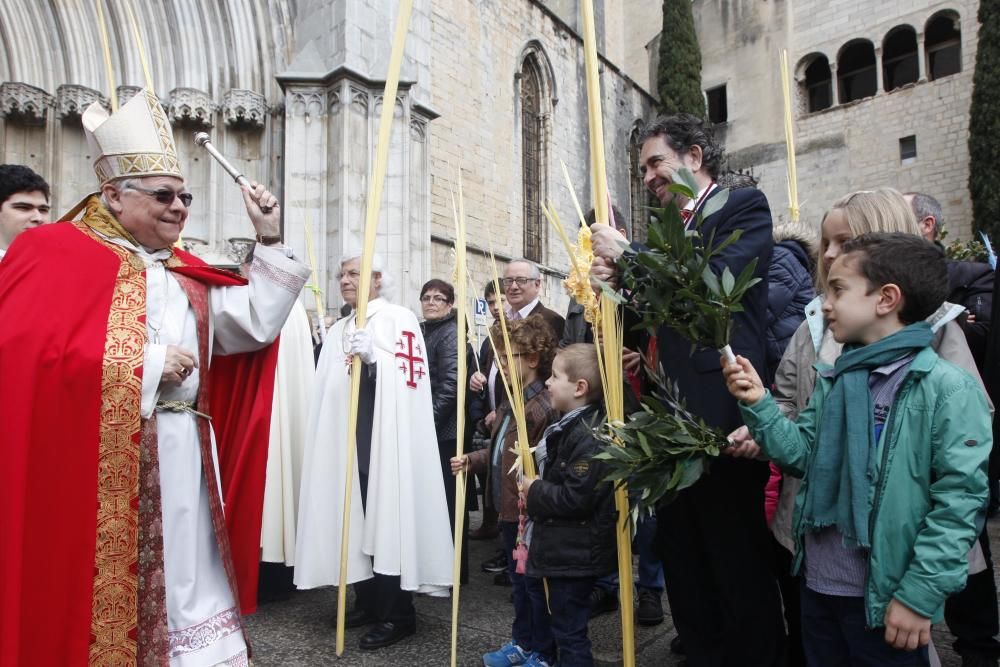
(672, 281)
(660, 450)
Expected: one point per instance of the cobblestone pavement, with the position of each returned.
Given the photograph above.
(297, 632)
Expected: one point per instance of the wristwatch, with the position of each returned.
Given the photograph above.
(268, 240)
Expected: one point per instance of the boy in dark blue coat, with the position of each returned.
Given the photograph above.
(572, 509)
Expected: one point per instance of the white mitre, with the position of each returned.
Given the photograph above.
(134, 141)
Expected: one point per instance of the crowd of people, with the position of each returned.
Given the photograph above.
(847, 514)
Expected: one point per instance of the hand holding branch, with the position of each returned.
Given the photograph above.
(742, 380)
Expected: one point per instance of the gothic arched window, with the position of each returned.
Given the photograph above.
(532, 138)
(638, 194)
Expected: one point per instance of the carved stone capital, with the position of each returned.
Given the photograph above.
(27, 104)
(244, 109)
(72, 100)
(190, 107)
(125, 93)
(240, 248)
(418, 129)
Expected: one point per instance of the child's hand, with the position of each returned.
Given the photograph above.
(742, 380)
(458, 464)
(741, 445)
(905, 628)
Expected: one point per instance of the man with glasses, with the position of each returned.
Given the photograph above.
(109, 493)
(24, 203)
(522, 281)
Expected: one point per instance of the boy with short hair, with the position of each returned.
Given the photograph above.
(892, 450)
(532, 347)
(572, 508)
(24, 203)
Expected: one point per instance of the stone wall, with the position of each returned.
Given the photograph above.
(851, 146)
(291, 91)
(476, 90)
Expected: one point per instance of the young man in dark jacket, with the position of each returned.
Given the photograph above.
(573, 540)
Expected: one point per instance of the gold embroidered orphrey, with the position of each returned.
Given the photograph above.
(114, 616)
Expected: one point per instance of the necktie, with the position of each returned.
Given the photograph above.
(686, 215)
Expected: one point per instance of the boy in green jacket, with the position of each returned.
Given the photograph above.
(892, 451)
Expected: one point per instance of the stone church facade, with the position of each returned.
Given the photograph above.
(881, 96)
(291, 92)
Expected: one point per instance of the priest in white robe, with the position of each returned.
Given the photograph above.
(115, 544)
(400, 540)
(293, 390)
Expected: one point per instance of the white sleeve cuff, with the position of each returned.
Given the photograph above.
(154, 358)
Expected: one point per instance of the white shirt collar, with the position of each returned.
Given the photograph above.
(524, 312)
(691, 203)
(3, 251)
(148, 257)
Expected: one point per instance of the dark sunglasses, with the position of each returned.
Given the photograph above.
(166, 196)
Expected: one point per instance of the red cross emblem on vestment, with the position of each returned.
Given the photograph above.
(410, 363)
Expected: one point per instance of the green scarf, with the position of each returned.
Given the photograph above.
(843, 471)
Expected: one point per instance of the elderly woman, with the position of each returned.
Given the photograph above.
(440, 329)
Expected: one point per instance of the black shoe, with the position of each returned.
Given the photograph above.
(676, 647)
(355, 618)
(387, 634)
(502, 579)
(602, 601)
(496, 564)
(650, 608)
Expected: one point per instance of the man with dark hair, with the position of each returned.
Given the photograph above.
(24, 202)
(713, 537)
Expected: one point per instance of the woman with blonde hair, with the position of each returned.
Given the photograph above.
(862, 212)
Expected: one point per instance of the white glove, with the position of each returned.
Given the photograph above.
(363, 346)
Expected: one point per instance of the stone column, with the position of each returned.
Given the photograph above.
(333, 99)
(879, 74)
(921, 58)
(835, 82)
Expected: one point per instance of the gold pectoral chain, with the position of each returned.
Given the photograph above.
(181, 406)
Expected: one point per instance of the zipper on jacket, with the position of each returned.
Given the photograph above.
(889, 436)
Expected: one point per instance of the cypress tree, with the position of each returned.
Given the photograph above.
(679, 72)
(984, 124)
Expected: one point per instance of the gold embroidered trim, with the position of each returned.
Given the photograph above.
(114, 616)
(163, 129)
(136, 164)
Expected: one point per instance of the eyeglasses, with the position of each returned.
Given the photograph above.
(166, 196)
(520, 280)
(502, 358)
(352, 274)
(433, 298)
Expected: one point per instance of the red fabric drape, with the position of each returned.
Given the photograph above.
(55, 296)
(241, 393)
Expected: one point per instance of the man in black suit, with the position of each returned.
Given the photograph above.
(713, 537)
(522, 281)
